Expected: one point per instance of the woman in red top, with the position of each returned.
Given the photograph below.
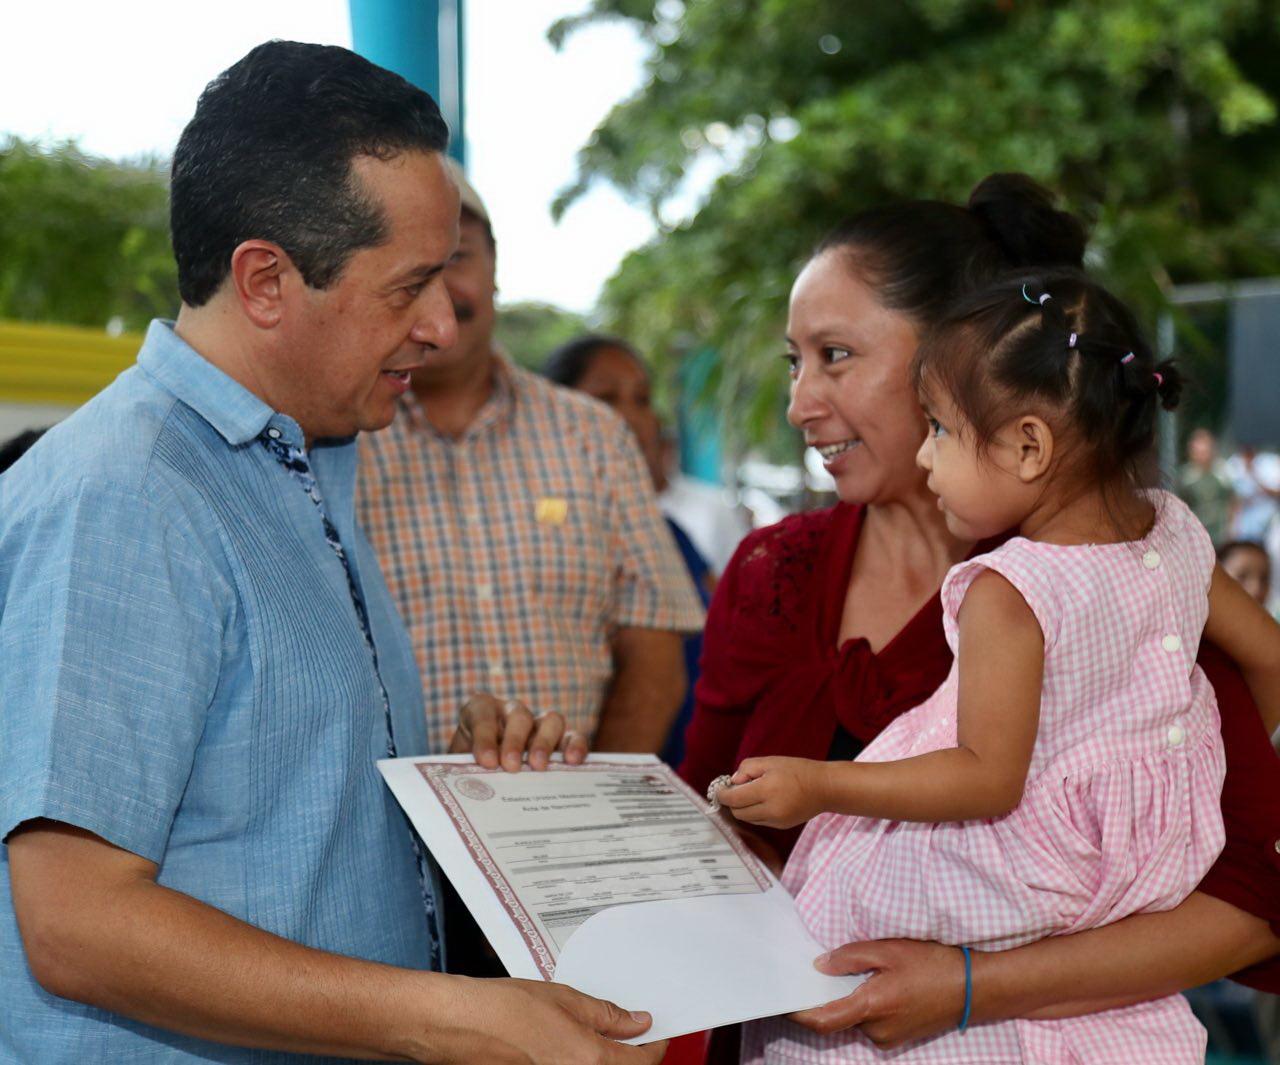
(828, 625)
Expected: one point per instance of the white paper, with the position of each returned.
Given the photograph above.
(549, 865)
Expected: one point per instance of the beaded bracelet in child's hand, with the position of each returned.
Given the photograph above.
(713, 790)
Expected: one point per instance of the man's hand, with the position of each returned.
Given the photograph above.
(501, 733)
(98, 929)
(777, 792)
(532, 1023)
(915, 990)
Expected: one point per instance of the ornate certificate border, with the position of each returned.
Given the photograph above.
(544, 954)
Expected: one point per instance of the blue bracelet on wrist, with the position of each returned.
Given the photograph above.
(968, 988)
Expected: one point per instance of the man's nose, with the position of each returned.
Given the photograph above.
(437, 324)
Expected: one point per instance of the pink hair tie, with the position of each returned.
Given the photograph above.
(1159, 379)
(1127, 359)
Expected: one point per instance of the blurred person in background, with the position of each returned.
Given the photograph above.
(15, 447)
(705, 511)
(1249, 564)
(523, 547)
(1256, 476)
(609, 369)
(1203, 484)
(518, 530)
(612, 371)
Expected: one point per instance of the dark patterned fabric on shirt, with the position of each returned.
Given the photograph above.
(294, 459)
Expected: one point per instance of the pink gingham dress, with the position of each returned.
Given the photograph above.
(1120, 814)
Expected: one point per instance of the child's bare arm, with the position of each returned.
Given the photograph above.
(1001, 669)
(1251, 637)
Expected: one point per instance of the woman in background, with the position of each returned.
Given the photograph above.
(611, 370)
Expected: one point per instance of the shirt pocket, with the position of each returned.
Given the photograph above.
(571, 561)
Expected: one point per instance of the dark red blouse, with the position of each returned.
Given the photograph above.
(773, 682)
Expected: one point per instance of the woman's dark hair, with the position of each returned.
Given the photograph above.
(569, 363)
(921, 255)
(268, 154)
(1059, 345)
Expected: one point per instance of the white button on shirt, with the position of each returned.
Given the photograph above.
(1151, 559)
(1176, 735)
(1171, 643)
(484, 592)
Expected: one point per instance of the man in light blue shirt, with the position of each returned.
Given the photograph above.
(199, 661)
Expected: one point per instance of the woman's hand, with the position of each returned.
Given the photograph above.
(915, 990)
(501, 732)
(776, 792)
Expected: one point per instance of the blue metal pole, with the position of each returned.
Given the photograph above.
(701, 455)
(453, 95)
(421, 40)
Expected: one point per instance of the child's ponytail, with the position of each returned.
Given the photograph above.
(1063, 346)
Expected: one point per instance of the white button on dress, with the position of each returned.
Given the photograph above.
(1171, 643)
(1176, 735)
(1151, 559)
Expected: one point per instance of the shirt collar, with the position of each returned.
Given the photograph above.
(235, 412)
(496, 410)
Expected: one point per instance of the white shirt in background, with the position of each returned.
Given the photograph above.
(714, 523)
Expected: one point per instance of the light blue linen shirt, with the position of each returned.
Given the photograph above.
(183, 673)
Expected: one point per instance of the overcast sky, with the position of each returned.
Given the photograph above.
(122, 77)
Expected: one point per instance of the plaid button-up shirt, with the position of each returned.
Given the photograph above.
(515, 551)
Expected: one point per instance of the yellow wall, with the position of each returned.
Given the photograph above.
(60, 365)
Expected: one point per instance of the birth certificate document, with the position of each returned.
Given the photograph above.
(561, 845)
(615, 878)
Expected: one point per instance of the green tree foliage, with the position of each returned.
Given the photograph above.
(530, 331)
(1155, 119)
(83, 239)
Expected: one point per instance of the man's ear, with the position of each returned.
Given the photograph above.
(258, 268)
(1035, 444)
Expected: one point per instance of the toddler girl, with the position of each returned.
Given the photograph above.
(1068, 771)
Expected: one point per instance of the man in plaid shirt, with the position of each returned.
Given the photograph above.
(519, 533)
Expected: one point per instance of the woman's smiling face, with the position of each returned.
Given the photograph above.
(851, 393)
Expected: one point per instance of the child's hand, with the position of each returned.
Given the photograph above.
(776, 792)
